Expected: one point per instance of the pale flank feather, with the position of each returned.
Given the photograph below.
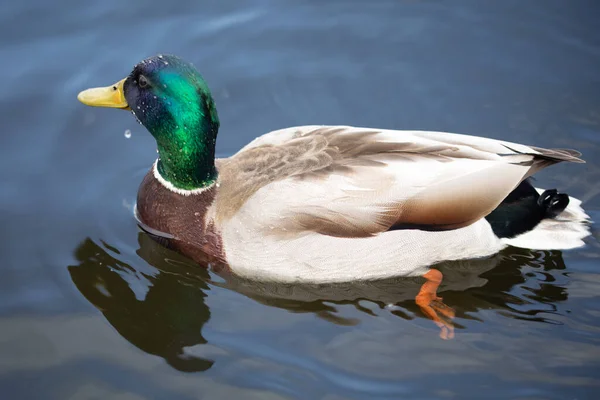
(322, 258)
(323, 203)
(356, 182)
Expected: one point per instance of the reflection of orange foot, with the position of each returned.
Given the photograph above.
(432, 305)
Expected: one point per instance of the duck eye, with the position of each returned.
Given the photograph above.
(143, 81)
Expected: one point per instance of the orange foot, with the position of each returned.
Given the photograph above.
(432, 305)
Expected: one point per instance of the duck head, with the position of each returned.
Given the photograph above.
(171, 99)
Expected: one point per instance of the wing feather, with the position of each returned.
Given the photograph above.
(357, 182)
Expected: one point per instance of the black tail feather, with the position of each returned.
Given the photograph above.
(524, 208)
(553, 202)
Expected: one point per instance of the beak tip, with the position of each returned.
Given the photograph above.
(81, 97)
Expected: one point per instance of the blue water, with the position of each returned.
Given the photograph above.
(90, 308)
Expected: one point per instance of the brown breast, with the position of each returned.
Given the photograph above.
(183, 217)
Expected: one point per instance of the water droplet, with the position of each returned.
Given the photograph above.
(166, 63)
(138, 107)
(127, 134)
(160, 56)
(165, 85)
(155, 97)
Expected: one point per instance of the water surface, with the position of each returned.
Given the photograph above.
(90, 307)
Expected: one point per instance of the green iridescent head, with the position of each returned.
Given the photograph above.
(171, 99)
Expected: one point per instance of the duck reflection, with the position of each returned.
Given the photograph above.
(168, 318)
(520, 284)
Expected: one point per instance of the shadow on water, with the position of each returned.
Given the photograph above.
(171, 312)
(170, 315)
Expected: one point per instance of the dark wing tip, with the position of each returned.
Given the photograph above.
(557, 155)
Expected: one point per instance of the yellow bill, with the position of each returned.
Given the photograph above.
(110, 96)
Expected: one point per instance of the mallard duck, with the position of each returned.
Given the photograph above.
(332, 203)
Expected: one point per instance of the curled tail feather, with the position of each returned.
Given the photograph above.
(566, 229)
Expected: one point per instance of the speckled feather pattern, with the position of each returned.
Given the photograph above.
(321, 203)
(176, 106)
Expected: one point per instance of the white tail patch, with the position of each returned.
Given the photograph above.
(566, 231)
